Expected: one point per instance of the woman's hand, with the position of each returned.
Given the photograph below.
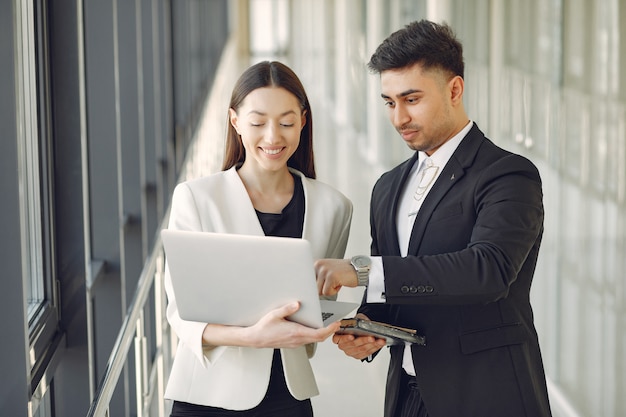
(274, 331)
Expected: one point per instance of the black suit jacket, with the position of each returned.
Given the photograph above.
(465, 283)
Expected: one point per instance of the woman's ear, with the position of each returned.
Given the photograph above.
(303, 121)
(233, 119)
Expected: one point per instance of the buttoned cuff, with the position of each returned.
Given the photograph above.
(376, 288)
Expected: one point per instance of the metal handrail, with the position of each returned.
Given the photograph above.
(203, 157)
(119, 354)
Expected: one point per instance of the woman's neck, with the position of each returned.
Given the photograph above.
(269, 191)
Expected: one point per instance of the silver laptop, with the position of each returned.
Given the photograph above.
(236, 279)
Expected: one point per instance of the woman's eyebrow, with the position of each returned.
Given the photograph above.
(260, 113)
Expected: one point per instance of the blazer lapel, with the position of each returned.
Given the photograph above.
(236, 202)
(454, 170)
(398, 185)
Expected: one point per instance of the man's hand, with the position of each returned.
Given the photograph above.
(332, 274)
(358, 347)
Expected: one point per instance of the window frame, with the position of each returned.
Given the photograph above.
(35, 164)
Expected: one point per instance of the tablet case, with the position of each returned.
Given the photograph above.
(393, 334)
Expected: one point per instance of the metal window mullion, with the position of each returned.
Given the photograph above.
(28, 158)
(84, 156)
(141, 131)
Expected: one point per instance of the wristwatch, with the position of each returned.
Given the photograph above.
(362, 265)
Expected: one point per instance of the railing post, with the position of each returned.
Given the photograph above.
(160, 330)
(141, 365)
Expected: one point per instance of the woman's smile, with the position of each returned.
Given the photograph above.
(272, 151)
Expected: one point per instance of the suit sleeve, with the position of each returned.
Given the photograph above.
(376, 311)
(476, 245)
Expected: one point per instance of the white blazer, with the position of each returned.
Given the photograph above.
(236, 378)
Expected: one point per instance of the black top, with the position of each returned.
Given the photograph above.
(289, 222)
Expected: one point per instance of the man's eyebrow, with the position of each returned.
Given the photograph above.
(402, 94)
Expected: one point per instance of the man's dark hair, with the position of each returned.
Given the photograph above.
(432, 45)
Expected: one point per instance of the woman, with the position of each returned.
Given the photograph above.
(267, 187)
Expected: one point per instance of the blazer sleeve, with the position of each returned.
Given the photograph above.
(477, 243)
(374, 311)
(327, 219)
(342, 221)
(184, 216)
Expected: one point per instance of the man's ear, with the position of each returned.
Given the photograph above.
(233, 119)
(457, 86)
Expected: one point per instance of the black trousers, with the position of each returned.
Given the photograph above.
(278, 401)
(410, 403)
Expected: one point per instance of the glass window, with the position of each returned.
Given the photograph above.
(269, 30)
(35, 175)
(41, 403)
(577, 38)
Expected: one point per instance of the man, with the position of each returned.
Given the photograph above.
(456, 231)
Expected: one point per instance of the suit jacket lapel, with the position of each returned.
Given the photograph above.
(398, 185)
(454, 170)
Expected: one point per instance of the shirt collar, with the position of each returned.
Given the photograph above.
(442, 155)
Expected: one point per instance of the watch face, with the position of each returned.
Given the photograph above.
(361, 261)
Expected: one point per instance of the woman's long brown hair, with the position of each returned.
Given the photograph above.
(271, 74)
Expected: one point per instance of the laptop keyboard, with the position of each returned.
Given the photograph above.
(326, 315)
